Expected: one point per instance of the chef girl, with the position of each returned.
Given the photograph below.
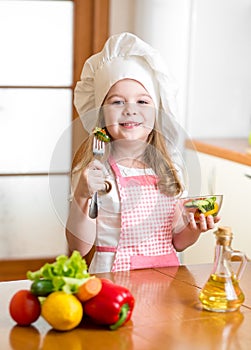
(126, 90)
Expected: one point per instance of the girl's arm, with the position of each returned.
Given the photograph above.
(80, 228)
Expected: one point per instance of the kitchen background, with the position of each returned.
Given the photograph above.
(207, 47)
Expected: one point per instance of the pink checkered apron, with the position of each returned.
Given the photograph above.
(146, 224)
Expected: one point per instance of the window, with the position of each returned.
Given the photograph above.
(42, 53)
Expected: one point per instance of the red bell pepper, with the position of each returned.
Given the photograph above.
(112, 306)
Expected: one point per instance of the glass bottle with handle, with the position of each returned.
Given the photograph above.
(222, 292)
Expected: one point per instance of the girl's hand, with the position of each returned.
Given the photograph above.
(91, 180)
(204, 224)
(191, 230)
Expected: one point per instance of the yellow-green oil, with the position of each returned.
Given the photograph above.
(221, 294)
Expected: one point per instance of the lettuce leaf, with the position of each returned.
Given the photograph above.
(66, 273)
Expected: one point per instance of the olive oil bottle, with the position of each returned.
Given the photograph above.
(222, 292)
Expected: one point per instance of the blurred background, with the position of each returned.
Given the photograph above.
(206, 45)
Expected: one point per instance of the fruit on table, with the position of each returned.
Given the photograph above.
(62, 311)
(24, 307)
(60, 292)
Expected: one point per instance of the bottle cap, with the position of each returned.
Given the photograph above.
(224, 234)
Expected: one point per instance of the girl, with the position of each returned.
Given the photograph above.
(138, 223)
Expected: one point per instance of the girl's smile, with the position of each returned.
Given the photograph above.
(130, 125)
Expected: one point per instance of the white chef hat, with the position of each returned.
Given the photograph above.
(126, 56)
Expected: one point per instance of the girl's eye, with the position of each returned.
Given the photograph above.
(117, 102)
(143, 102)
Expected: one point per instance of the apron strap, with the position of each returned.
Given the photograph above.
(114, 167)
(106, 249)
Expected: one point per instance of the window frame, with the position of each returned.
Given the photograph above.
(90, 31)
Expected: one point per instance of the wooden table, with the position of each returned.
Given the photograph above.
(167, 316)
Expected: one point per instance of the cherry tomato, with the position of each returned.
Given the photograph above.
(24, 307)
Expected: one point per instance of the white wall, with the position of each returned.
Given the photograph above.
(167, 29)
(164, 24)
(220, 68)
(206, 44)
(122, 16)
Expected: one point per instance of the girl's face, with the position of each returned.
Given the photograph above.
(129, 111)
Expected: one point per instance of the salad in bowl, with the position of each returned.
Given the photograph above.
(206, 205)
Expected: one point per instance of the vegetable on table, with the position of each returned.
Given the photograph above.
(112, 306)
(89, 289)
(63, 291)
(42, 287)
(24, 307)
(66, 274)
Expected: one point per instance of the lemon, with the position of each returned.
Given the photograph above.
(62, 311)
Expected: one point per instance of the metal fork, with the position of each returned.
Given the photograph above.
(98, 150)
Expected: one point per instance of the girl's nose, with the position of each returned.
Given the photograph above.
(130, 109)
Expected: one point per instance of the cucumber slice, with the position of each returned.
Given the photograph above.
(190, 204)
(203, 205)
(200, 202)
